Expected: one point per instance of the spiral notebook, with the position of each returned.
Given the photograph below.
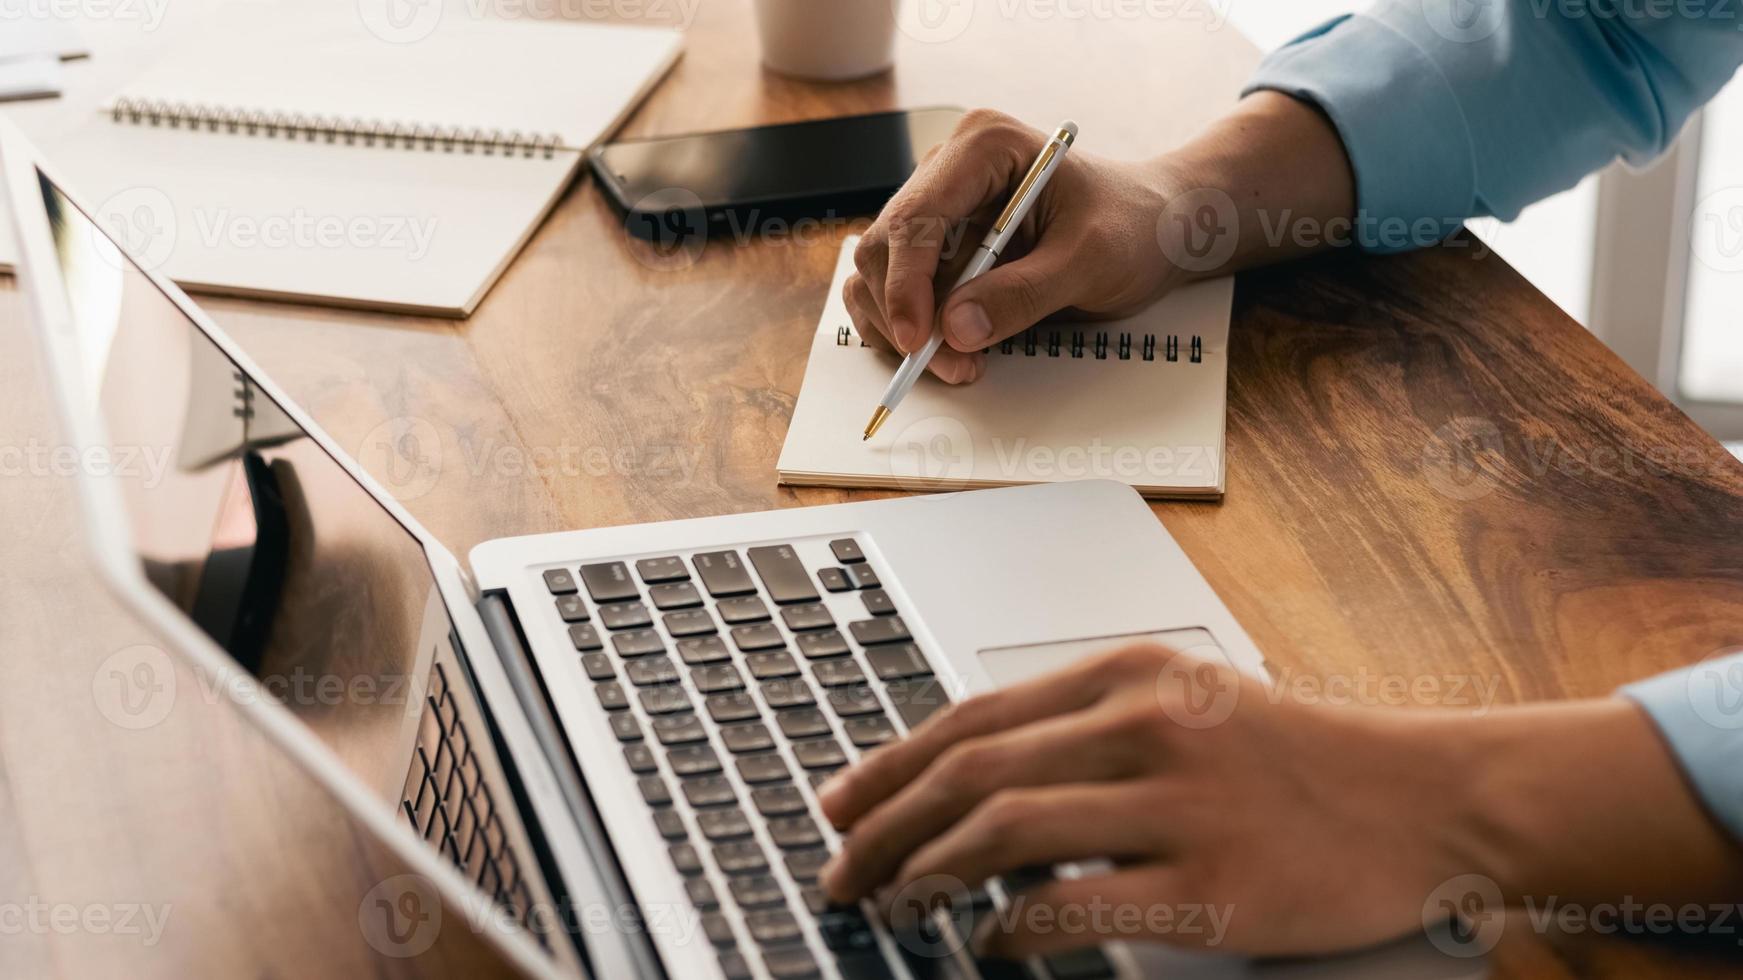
(290, 155)
(1140, 400)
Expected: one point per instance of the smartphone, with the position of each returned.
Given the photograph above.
(752, 183)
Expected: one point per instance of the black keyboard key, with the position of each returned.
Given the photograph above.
(788, 693)
(701, 894)
(853, 701)
(728, 708)
(818, 646)
(847, 551)
(609, 582)
(679, 729)
(675, 595)
(782, 574)
(706, 791)
(845, 930)
(706, 650)
(820, 753)
(802, 723)
(626, 728)
(773, 928)
(638, 643)
(723, 824)
(650, 670)
(640, 758)
(870, 730)
(768, 666)
(834, 580)
(897, 662)
(685, 859)
(718, 678)
(804, 865)
(654, 791)
(868, 965)
(718, 930)
(816, 901)
(723, 574)
(745, 609)
(656, 570)
(916, 699)
(763, 636)
(572, 608)
(560, 582)
(756, 891)
(611, 696)
(792, 833)
(885, 629)
(790, 964)
(598, 667)
(664, 700)
(741, 857)
(585, 637)
(693, 760)
(734, 966)
(878, 602)
(1084, 963)
(809, 616)
(782, 800)
(836, 673)
(863, 577)
(670, 825)
(817, 777)
(690, 622)
(625, 616)
(750, 737)
(768, 768)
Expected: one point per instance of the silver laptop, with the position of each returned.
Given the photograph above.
(604, 743)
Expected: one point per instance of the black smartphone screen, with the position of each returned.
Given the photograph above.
(854, 162)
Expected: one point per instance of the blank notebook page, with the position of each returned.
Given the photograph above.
(1065, 401)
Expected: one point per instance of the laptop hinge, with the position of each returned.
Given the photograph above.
(505, 634)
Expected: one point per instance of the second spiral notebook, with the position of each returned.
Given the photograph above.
(1140, 400)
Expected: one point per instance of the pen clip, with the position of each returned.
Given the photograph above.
(1028, 185)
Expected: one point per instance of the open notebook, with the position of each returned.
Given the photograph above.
(1140, 400)
(304, 156)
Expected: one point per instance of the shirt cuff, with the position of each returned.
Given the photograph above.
(1400, 122)
(1700, 712)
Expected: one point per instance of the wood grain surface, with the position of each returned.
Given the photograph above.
(1432, 473)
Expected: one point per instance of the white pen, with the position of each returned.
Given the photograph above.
(1028, 192)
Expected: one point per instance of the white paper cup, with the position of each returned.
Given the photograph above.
(828, 40)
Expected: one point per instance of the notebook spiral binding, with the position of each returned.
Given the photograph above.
(389, 134)
(1054, 343)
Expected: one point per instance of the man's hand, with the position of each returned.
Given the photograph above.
(1089, 244)
(1299, 828)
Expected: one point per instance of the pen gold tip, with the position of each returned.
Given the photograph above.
(876, 423)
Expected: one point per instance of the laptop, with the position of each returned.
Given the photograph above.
(603, 744)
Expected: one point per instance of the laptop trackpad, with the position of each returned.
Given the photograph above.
(1005, 666)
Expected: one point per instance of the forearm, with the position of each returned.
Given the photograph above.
(1271, 175)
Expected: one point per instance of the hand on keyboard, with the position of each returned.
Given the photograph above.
(1239, 821)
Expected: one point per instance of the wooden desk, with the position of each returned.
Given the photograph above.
(1558, 559)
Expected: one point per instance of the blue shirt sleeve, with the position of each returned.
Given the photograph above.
(1451, 109)
(1700, 712)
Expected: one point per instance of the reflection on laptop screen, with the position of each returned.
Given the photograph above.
(243, 522)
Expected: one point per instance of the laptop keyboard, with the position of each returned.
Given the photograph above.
(737, 684)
